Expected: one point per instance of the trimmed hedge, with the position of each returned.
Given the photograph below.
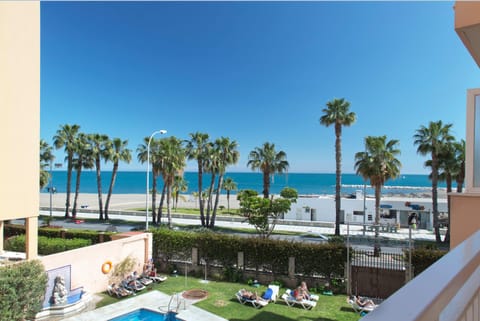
(51, 232)
(46, 245)
(22, 287)
(423, 258)
(273, 255)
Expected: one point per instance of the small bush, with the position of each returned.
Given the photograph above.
(46, 245)
(22, 287)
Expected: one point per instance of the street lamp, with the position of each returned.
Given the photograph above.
(161, 132)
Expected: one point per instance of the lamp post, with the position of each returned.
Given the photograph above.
(51, 186)
(162, 131)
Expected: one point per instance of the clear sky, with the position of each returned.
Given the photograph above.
(254, 72)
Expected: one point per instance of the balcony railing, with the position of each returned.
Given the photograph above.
(449, 290)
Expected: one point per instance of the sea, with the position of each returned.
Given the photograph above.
(134, 182)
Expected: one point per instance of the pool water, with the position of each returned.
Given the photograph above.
(146, 315)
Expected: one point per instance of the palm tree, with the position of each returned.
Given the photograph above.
(142, 155)
(378, 163)
(431, 141)
(174, 161)
(116, 152)
(227, 155)
(229, 185)
(65, 137)
(46, 159)
(197, 149)
(269, 162)
(459, 168)
(98, 143)
(82, 159)
(338, 114)
(179, 185)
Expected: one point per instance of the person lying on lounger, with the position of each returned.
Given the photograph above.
(250, 295)
(363, 302)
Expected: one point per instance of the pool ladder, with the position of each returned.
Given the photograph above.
(175, 298)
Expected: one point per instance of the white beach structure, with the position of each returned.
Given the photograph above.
(394, 210)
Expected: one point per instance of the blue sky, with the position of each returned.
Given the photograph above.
(254, 72)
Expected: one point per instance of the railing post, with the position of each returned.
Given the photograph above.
(240, 260)
(194, 257)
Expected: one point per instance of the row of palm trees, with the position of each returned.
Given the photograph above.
(378, 162)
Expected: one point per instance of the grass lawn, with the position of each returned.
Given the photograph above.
(221, 301)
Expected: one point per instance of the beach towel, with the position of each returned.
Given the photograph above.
(268, 294)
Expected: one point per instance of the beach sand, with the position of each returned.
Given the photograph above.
(137, 201)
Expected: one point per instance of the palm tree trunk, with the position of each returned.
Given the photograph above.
(110, 188)
(228, 201)
(200, 191)
(449, 190)
(160, 206)
(154, 195)
(435, 197)
(376, 248)
(266, 184)
(99, 188)
(69, 183)
(217, 198)
(209, 205)
(169, 192)
(338, 175)
(77, 190)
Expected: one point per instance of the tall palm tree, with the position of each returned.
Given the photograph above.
(338, 114)
(228, 155)
(142, 155)
(116, 152)
(179, 185)
(378, 163)
(431, 141)
(269, 162)
(459, 169)
(65, 137)
(46, 159)
(197, 149)
(229, 185)
(82, 159)
(174, 159)
(98, 143)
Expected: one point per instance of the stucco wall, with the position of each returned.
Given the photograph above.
(465, 217)
(86, 263)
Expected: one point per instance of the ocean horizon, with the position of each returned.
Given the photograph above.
(134, 182)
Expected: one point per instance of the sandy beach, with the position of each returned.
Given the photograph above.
(137, 201)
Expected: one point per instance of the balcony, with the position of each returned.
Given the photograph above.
(449, 290)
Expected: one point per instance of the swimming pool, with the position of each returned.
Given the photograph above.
(146, 315)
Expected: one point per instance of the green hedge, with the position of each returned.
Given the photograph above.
(22, 287)
(310, 258)
(46, 245)
(423, 258)
(94, 236)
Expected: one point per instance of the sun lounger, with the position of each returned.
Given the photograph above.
(118, 291)
(292, 301)
(361, 309)
(256, 303)
(273, 293)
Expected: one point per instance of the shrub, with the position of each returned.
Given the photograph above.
(46, 245)
(22, 287)
(423, 258)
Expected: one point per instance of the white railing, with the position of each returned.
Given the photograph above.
(449, 290)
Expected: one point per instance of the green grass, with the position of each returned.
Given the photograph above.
(221, 301)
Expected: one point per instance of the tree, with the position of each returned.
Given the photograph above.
(459, 168)
(65, 137)
(116, 152)
(197, 149)
(46, 159)
(82, 159)
(227, 155)
(338, 114)
(174, 162)
(378, 163)
(262, 212)
(229, 185)
(179, 185)
(98, 143)
(269, 162)
(431, 141)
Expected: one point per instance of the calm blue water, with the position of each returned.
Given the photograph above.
(145, 315)
(135, 183)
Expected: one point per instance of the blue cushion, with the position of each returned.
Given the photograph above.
(268, 294)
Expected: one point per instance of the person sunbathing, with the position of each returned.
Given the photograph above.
(299, 294)
(363, 302)
(250, 295)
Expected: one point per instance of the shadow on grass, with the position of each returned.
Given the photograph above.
(271, 316)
